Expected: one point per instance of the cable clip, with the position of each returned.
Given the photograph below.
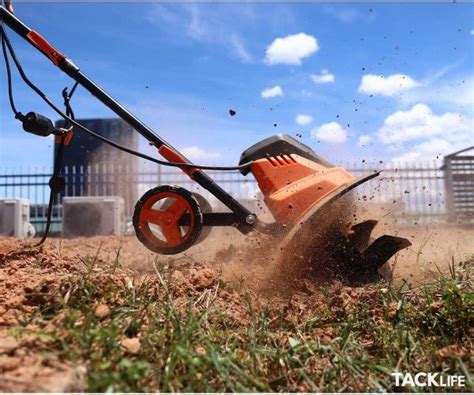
(63, 136)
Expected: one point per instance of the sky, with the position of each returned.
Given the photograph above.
(391, 82)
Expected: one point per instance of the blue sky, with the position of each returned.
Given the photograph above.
(355, 81)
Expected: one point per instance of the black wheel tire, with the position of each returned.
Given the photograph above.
(196, 212)
(205, 208)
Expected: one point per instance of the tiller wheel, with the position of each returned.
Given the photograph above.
(158, 216)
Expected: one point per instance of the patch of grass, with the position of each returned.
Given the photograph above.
(340, 339)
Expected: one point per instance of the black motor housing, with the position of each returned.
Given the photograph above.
(280, 144)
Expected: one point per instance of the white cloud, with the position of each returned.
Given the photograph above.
(348, 14)
(364, 140)
(420, 122)
(386, 86)
(472, 32)
(197, 153)
(239, 49)
(291, 49)
(434, 136)
(345, 14)
(454, 93)
(432, 150)
(303, 119)
(324, 78)
(272, 92)
(330, 133)
(408, 157)
(435, 76)
(205, 25)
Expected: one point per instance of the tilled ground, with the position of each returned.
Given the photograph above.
(30, 277)
(56, 297)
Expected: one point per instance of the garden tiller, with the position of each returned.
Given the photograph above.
(298, 186)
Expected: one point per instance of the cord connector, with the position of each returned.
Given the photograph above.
(37, 124)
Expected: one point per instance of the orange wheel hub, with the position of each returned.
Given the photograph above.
(158, 216)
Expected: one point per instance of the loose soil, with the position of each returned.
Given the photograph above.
(28, 276)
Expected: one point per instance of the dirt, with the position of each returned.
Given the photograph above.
(36, 373)
(435, 247)
(131, 345)
(312, 250)
(25, 278)
(29, 275)
(233, 256)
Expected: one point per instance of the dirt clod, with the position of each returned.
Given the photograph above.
(200, 350)
(326, 340)
(202, 278)
(8, 344)
(453, 350)
(102, 311)
(132, 345)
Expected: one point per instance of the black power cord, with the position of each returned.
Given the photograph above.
(5, 40)
(9, 77)
(57, 183)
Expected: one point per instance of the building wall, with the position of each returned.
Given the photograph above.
(85, 150)
(89, 156)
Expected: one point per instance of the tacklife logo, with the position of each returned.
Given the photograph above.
(422, 379)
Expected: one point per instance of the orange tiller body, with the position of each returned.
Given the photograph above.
(291, 184)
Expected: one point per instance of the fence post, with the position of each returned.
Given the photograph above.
(448, 189)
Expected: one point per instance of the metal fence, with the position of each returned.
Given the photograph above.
(413, 192)
(459, 177)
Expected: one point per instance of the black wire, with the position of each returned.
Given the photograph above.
(9, 76)
(58, 159)
(73, 89)
(98, 136)
(56, 173)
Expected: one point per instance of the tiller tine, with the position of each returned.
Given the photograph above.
(362, 265)
(382, 249)
(359, 234)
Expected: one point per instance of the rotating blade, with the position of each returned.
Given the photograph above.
(359, 234)
(321, 246)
